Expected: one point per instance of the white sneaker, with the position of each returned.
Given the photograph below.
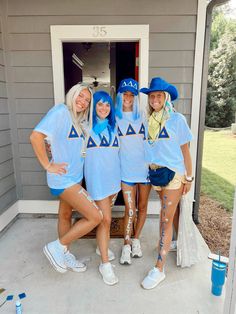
(111, 255)
(108, 275)
(154, 277)
(73, 264)
(55, 253)
(173, 246)
(136, 248)
(126, 255)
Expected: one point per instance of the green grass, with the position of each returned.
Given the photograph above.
(219, 167)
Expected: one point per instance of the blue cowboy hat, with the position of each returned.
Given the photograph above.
(158, 84)
(130, 85)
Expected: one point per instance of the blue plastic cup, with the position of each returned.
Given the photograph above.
(218, 273)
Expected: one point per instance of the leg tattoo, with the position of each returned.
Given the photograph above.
(131, 214)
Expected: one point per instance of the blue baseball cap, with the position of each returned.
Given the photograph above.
(130, 85)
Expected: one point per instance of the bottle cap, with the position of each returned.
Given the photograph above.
(18, 303)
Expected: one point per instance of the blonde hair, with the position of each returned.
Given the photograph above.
(150, 109)
(79, 118)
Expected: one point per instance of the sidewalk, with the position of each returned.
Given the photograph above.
(24, 268)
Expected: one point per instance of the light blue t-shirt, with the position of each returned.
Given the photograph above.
(66, 145)
(166, 149)
(132, 134)
(102, 165)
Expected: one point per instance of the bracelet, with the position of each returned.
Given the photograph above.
(48, 166)
(189, 179)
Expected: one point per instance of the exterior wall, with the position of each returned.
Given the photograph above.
(7, 177)
(172, 41)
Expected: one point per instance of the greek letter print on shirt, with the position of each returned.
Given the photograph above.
(132, 135)
(102, 165)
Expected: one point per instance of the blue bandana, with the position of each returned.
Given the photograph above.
(100, 126)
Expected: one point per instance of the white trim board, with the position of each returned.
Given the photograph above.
(197, 83)
(7, 217)
(51, 207)
(96, 33)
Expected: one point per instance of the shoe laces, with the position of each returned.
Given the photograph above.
(71, 260)
(109, 269)
(136, 244)
(126, 251)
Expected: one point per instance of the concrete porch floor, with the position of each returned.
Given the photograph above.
(24, 268)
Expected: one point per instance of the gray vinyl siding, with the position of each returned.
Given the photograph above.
(7, 176)
(171, 55)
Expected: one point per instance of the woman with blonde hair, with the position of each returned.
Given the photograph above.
(170, 165)
(65, 127)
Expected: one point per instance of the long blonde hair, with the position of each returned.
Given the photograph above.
(79, 118)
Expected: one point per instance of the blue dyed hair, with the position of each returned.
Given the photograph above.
(119, 106)
(104, 97)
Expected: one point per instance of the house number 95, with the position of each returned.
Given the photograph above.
(99, 31)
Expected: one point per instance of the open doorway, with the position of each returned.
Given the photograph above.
(101, 64)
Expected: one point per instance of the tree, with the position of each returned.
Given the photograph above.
(221, 96)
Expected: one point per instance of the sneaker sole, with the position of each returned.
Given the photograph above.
(78, 270)
(57, 267)
(108, 283)
(125, 263)
(154, 285)
(137, 256)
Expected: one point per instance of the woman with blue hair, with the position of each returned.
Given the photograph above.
(134, 171)
(102, 173)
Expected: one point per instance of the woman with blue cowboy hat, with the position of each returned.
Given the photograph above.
(102, 174)
(170, 166)
(132, 135)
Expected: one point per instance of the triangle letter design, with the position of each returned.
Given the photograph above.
(119, 132)
(130, 130)
(104, 142)
(142, 131)
(91, 143)
(73, 133)
(163, 133)
(115, 143)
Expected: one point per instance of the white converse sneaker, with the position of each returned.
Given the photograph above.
(111, 255)
(173, 246)
(136, 248)
(154, 277)
(55, 253)
(108, 275)
(126, 255)
(73, 264)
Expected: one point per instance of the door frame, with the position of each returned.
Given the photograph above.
(96, 33)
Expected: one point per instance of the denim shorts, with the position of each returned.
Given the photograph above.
(56, 192)
(133, 184)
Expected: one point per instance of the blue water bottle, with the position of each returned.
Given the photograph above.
(18, 307)
(218, 273)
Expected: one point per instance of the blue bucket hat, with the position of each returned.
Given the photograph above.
(130, 85)
(158, 84)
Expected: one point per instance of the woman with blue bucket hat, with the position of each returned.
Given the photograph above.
(170, 166)
(132, 134)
